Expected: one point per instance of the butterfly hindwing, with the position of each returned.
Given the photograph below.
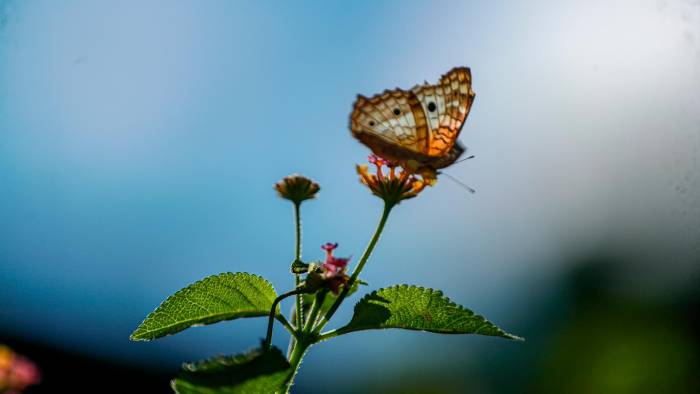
(391, 117)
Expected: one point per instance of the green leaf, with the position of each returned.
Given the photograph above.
(257, 371)
(220, 297)
(418, 308)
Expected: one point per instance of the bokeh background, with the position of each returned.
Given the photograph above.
(139, 141)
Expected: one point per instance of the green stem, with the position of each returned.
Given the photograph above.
(315, 310)
(358, 268)
(297, 221)
(273, 313)
(293, 338)
(327, 335)
(286, 324)
(295, 361)
(306, 339)
(297, 257)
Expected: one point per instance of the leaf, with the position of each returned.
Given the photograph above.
(257, 371)
(418, 308)
(220, 297)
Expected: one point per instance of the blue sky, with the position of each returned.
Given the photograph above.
(139, 142)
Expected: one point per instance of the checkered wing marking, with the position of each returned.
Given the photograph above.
(446, 106)
(391, 118)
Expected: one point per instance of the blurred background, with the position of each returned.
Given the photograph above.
(139, 141)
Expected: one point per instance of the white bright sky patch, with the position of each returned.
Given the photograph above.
(585, 128)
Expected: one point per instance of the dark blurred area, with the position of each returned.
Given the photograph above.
(66, 372)
(592, 335)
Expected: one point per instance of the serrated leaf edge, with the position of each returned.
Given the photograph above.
(344, 330)
(146, 335)
(230, 360)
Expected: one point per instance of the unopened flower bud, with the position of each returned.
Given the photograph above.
(297, 188)
(314, 280)
(299, 267)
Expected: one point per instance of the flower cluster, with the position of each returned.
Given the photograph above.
(297, 188)
(398, 184)
(16, 372)
(331, 274)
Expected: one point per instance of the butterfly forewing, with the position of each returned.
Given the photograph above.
(458, 96)
(428, 97)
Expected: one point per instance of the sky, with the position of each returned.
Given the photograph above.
(139, 142)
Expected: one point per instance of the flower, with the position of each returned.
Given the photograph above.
(16, 372)
(335, 266)
(329, 247)
(399, 184)
(331, 274)
(297, 188)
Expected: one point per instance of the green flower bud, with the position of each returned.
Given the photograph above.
(297, 188)
(299, 267)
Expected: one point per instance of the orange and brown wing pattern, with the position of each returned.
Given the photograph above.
(392, 124)
(421, 124)
(446, 106)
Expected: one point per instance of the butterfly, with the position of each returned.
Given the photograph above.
(416, 128)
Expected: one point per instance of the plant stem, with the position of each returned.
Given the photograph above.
(297, 221)
(358, 268)
(273, 313)
(327, 335)
(315, 309)
(295, 361)
(297, 257)
(306, 339)
(286, 324)
(293, 338)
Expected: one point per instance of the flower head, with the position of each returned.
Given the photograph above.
(335, 265)
(297, 188)
(400, 183)
(16, 372)
(331, 274)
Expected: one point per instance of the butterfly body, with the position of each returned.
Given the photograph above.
(416, 128)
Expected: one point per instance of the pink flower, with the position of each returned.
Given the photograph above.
(376, 160)
(329, 247)
(24, 373)
(16, 372)
(335, 265)
(332, 272)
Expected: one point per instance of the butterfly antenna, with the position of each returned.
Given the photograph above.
(460, 183)
(466, 158)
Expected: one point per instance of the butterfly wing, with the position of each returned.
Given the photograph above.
(392, 124)
(421, 124)
(446, 106)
